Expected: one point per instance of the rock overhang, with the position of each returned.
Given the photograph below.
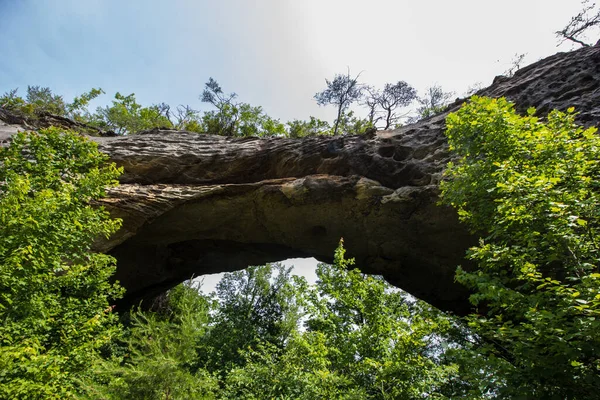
(197, 204)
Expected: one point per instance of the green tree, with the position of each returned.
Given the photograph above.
(236, 119)
(373, 335)
(254, 122)
(54, 291)
(78, 110)
(369, 100)
(342, 91)
(433, 102)
(44, 101)
(160, 360)
(184, 118)
(299, 129)
(302, 371)
(41, 101)
(363, 340)
(393, 97)
(530, 189)
(11, 101)
(222, 121)
(260, 304)
(187, 348)
(38, 101)
(353, 125)
(127, 116)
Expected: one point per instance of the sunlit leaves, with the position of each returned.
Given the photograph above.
(54, 292)
(530, 189)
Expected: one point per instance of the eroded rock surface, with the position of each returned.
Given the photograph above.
(198, 204)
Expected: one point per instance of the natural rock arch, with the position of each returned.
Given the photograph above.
(198, 204)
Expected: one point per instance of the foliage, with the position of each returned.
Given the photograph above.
(189, 349)
(38, 101)
(348, 123)
(241, 120)
(54, 292)
(254, 122)
(184, 118)
(126, 116)
(236, 119)
(300, 372)
(530, 189)
(342, 91)
(230, 117)
(160, 360)
(372, 335)
(42, 100)
(260, 304)
(223, 120)
(213, 94)
(369, 100)
(363, 340)
(433, 102)
(78, 109)
(579, 27)
(299, 129)
(352, 125)
(10, 100)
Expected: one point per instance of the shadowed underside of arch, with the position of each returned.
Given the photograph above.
(199, 204)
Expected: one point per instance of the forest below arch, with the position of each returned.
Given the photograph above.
(522, 180)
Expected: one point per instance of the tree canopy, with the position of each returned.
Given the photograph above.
(54, 292)
(530, 189)
(341, 91)
(229, 117)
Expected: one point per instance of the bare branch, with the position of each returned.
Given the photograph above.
(581, 24)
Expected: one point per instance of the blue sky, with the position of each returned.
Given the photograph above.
(273, 53)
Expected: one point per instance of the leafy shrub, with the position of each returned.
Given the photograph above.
(530, 189)
(54, 292)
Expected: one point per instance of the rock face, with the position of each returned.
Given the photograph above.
(199, 204)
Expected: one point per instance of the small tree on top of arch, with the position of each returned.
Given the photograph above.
(581, 24)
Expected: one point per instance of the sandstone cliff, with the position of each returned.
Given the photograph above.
(197, 204)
